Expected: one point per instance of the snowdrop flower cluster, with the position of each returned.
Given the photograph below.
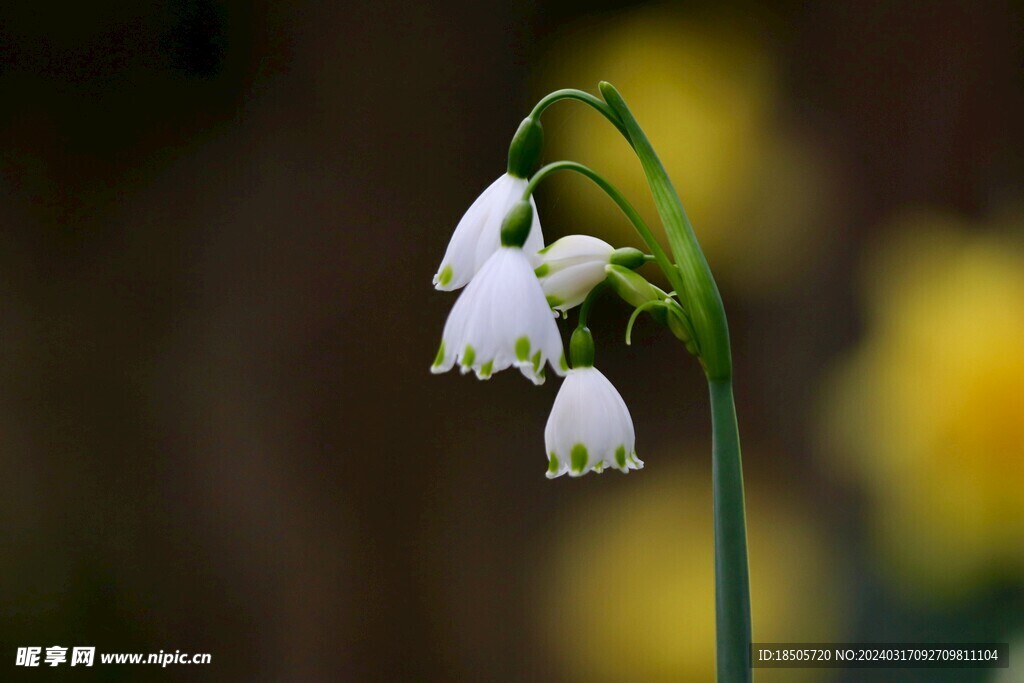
(512, 289)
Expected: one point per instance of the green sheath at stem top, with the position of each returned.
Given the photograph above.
(699, 292)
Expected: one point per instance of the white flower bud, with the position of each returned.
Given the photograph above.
(571, 267)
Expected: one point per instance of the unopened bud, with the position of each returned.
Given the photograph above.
(628, 257)
(634, 289)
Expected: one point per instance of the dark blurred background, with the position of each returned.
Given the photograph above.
(218, 431)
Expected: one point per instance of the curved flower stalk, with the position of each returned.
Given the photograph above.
(700, 299)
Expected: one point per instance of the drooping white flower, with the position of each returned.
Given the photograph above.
(572, 266)
(502, 319)
(590, 427)
(478, 234)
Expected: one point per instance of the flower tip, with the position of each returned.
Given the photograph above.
(443, 279)
(635, 463)
(439, 364)
(531, 373)
(484, 371)
(606, 88)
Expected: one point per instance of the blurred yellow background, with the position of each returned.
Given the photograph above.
(927, 413)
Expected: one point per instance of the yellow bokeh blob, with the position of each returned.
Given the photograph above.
(927, 415)
(629, 595)
(705, 91)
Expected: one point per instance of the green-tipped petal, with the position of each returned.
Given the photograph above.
(486, 369)
(578, 458)
(468, 356)
(620, 457)
(523, 349)
(445, 276)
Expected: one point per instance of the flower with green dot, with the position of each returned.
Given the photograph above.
(590, 427)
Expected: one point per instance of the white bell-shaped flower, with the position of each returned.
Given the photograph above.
(590, 427)
(478, 234)
(572, 266)
(502, 319)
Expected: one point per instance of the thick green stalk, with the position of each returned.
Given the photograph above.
(702, 301)
(732, 583)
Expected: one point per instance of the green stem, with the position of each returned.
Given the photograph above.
(588, 302)
(697, 289)
(620, 200)
(579, 96)
(732, 583)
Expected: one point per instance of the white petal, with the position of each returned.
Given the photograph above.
(573, 249)
(535, 240)
(571, 267)
(478, 234)
(589, 427)
(501, 320)
(569, 287)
